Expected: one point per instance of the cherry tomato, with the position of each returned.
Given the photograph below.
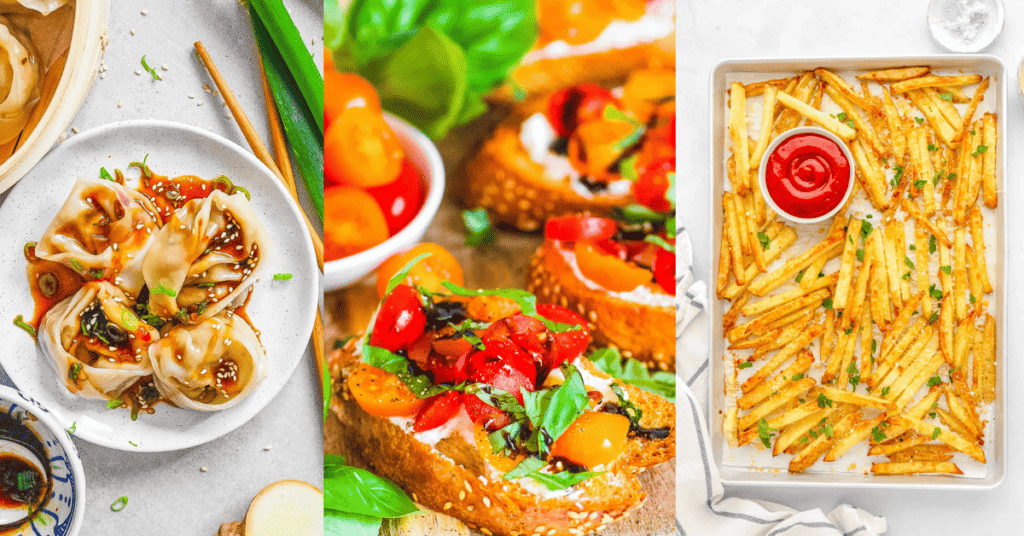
(400, 200)
(665, 270)
(613, 248)
(573, 106)
(652, 184)
(569, 21)
(353, 222)
(580, 227)
(328, 60)
(450, 360)
(526, 332)
(609, 272)
(419, 350)
(593, 439)
(596, 146)
(568, 345)
(437, 410)
(491, 418)
(381, 393)
(400, 321)
(428, 273)
(504, 365)
(360, 149)
(347, 90)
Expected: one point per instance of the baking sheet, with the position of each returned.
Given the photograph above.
(754, 465)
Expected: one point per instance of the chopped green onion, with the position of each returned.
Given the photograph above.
(282, 277)
(119, 504)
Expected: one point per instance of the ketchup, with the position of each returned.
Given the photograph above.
(807, 175)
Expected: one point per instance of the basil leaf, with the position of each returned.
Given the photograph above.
(671, 248)
(419, 384)
(357, 491)
(527, 301)
(496, 398)
(525, 467)
(637, 214)
(634, 373)
(346, 524)
(559, 411)
(530, 468)
(480, 232)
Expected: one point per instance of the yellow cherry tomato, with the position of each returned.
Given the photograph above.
(593, 439)
(428, 273)
(381, 393)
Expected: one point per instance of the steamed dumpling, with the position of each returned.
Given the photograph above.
(19, 81)
(211, 365)
(103, 230)
(97, 345)
(43, 6)
(210, 252)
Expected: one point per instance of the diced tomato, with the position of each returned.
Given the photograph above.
(450, 361)
(652, 184)
(401, 200)
(491, 418)
(504, 365)
(609, 272)
(527, 332)
(419, 350)
(576, 105)
(400, 321)
(613, 248)
(665, 270)
(437, 410)
(568, 345)
(580, 227)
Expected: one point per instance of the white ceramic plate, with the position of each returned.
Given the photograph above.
(282, 310)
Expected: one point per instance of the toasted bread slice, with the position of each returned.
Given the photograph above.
(457, 482)
(642, 331)
(517, 191)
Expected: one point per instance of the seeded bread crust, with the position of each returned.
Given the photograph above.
(640, 331)
(516, 191)
(611, 66)
(499, 507)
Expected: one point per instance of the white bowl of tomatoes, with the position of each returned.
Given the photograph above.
(420, 184)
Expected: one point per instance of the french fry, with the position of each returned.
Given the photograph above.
(775, 383)
(753, 234)
(873, 184)
(915, 212)
(904, 353)
(761, 210)
(962, 413)
(972, 187)
(790, 392)
(732, 227)
(847, 265)
(934, 117)
(835, 81)
(900, 444)
(738, 135)
(828, 247)
(946, 328)
(979, 95)
(784, 419)
(847, 397)
(959, 386)
(730, 316)
(914, 467)
(959, 273)
(895, 75)
(921, 250)
(785, 238)
(953, 440)
(742, 227)
(852, 312)
(974, 282)
(823, 443)
(878, 121)
(775, 339)
(923, 406)
(788, 118)
(778, 359)
(729, 427)
(984, 373)
(955, 426)
(923, 453)
(934, 81)
(896, 330)
(896, 136)
(978, 237)
(859, 433)
(908, 386)
(881, 301)
(767, 304)
(958, 94)
(864, 129)
(767, 121)
(988, 176)
(827, 122)
(789, 436)
(841, 355)
(867, 357)
(759, 324)
(724, 259)
(827, 343)
(946, 107)
(963, 340)
(926, 174)
(761, 88)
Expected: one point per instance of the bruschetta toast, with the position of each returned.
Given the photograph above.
(482, 406)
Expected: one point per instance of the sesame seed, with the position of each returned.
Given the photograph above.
(202, 469)
(487, 502)
(138, 72)
(266, 448)
(468, 488)
(164, 67)
(132, 31)
(74, 129)
(447, 506)
(144, 12)
(462, 495)
(200, 103)
(191, 96)
(485, 531)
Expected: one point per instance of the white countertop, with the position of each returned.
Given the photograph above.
(167, 493)
(715, 30)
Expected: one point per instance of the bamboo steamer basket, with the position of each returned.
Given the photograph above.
(63, 88)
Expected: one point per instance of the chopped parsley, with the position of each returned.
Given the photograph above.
(908, 262)
(827, 304)
(766, 241)
(765, 433)
(885, 390)
(824, 401)
(936, 432)
(948, 270)
(745, 364)
(934, 380)
(877, 435)
(919, 120)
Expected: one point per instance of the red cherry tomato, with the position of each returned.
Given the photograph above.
(504, 365)
(400, 321)
(419, 350)
(402, 199)
(568, 345)
(450, 361)
(527, 332)
(665, 270)
(580, 227)
(491, 418)
(613, 248)
(576, 105)
(437, 410)
(652, 184)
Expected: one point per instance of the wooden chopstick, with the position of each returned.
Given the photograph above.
(261, 152)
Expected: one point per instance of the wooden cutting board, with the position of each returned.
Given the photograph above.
(502, 264)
